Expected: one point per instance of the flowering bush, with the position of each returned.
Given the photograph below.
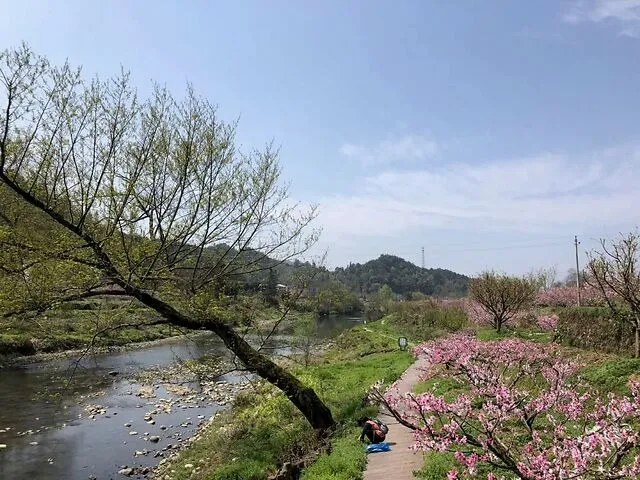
(548, 322)
(520, 413)
(568, 297)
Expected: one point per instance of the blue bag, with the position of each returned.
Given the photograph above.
(378, 447)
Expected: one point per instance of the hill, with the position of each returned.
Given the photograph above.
(361, 279)
(402, 276)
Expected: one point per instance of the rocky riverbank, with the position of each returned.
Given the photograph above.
(72, 354)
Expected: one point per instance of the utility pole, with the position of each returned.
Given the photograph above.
(422, 257)
(576, 243)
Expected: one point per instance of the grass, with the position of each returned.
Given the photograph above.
(263, 429)
(611, 375)
(489, 333)
(445, 386)
(73, 328)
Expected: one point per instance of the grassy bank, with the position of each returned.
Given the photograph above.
(263, 430)
(103, 323)
(69, 329)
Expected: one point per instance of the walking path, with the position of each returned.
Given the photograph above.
(401, 461)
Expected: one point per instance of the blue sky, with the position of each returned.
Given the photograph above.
(488, 132)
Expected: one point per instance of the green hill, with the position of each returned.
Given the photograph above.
(402, 276)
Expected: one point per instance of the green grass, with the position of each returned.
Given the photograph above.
(488, 333)
(445, 386)
(611, 375)
(437, 465)
(264, 430)
(67, 329)
(345, 462)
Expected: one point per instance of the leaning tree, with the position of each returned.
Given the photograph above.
(106, 193)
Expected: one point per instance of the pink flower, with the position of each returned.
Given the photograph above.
(524, 389)
(548, 322)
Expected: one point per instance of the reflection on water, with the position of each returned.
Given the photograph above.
(70, 448)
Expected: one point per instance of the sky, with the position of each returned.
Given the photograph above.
(489, 133)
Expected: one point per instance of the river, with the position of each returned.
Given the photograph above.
(47, 433)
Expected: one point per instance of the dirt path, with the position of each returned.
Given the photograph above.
(401, 461)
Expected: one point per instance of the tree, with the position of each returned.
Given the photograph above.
(271, 289)
(501, 296)
(521, 412)
(613, 272)
(571, 278)
(148, 198)
(544, 278)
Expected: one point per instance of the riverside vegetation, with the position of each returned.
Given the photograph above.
(517, 385)
(108, 195)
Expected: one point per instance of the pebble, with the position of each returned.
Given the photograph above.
(163, 427)
(188, 465)
(133, 433)
(127, 425)
(33, 443)
(154, 439)
(3, 445)
(127, 472)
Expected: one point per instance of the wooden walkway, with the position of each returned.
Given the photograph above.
(401, 461)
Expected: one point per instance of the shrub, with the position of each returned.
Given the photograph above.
(16, 345)
(428, 319)
(595, 328)
(548, 322)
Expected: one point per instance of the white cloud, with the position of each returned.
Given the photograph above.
(546, 192)
(407, 148)
(624, 13)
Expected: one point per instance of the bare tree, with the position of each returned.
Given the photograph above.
(544, 278)
(502, 296)
(143, 197)
(613, 271)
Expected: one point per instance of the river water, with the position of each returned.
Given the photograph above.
(46, 433)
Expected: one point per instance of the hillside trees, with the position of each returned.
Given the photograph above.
(149, 198)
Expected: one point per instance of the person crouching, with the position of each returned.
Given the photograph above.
(374, 430)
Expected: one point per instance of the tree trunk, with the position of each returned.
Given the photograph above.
(303, 397)
(637, 342)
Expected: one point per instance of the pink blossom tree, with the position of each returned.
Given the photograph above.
(521, 414)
